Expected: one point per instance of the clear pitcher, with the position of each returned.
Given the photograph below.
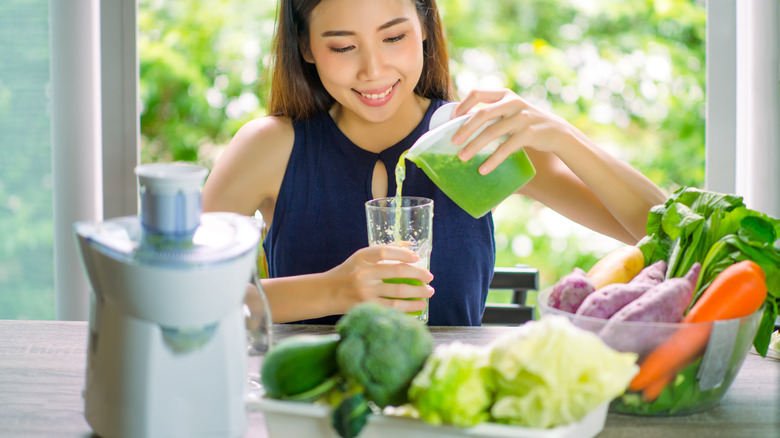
(477, 194)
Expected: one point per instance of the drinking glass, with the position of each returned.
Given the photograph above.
(408, 224)
(257, 316)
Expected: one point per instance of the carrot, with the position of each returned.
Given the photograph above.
(653, 390)
(736, 292)
(683, 347)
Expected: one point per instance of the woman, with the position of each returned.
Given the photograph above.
(354, 84)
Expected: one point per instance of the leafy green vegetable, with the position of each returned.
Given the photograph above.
(716, 230)
(549, 373)
(454, 386)
(775, 342)
(351, 415)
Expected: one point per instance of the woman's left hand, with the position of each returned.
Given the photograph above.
(526, 125)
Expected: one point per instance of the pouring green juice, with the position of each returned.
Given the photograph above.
(400, 175)
(404, 221)
(461, 181)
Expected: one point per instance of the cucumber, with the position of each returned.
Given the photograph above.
(299, 364)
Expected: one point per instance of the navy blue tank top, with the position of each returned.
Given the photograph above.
(320, 220)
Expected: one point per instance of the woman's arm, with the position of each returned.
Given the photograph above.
(357, 280)
(574, 175)
(247, 178)
(248, 174)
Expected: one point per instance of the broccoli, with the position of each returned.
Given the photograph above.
(382, 349)
(351, 415)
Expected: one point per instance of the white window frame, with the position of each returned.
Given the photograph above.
(743, 101)
(96, 128)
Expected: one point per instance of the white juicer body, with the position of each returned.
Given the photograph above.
(167, 339)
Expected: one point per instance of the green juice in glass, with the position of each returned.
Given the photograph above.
(400, 175)
(413, 282)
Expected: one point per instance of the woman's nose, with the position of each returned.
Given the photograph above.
(370, 63)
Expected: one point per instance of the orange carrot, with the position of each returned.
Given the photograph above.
(683, 347)
(653, 390)
(736, 292)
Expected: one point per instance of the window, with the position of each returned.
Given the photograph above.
(26, 245)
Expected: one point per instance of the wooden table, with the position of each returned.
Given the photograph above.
(42, 376)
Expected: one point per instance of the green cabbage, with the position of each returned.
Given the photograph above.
(453, 386)
(549, 373)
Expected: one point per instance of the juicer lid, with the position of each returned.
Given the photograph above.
(220, 237)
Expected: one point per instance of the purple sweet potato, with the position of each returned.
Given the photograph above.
(570, 290)
(653, 274)
(605, 302)
(664, 302)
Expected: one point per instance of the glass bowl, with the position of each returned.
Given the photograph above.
(696, 387)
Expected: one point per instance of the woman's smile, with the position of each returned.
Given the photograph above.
(377, 97)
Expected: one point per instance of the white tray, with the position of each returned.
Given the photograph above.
(286, 419)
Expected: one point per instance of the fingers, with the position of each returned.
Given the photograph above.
(377, 253)
(385, 274)
(491, 132)
(504, 150)
(403, 271)
(403, 291)
(478, 96)
(507, 118)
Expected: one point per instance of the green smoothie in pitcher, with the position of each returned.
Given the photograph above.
(460, 180)
(472, 191)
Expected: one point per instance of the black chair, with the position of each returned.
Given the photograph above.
(519, 280)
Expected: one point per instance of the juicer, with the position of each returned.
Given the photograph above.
(167, 338)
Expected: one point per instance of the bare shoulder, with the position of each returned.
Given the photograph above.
(249, 173)
(269, 132)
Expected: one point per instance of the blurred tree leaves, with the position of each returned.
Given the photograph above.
(200, 72)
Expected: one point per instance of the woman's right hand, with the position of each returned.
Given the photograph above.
(359, 279)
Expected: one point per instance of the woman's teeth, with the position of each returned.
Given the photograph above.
(377, 96)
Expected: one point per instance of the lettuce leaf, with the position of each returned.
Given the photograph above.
(454, 386)
(549, 373)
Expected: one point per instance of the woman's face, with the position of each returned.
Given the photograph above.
(368, 54)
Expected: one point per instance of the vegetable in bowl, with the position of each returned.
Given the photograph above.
(688, 365)
(716, 230)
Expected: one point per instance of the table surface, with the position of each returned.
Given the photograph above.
(42, 367)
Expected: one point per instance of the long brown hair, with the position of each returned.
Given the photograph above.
(296, 89)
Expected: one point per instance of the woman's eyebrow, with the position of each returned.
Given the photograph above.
(389, 24)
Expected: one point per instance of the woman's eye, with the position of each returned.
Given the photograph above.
(395, 39)
(341, 49)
